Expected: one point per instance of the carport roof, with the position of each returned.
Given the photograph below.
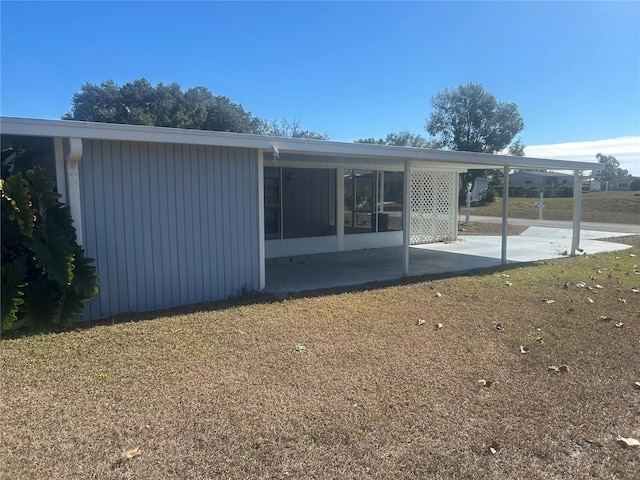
(139, 133)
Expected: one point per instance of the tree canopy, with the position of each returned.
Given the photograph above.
(140, 103)
(401, 139)
(470, 119)
(612, 170)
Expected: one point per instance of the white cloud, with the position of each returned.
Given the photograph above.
(625, 149)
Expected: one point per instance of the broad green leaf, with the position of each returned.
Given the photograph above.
(85, 280)
(17, 203)
(13, 276)
(54, 257)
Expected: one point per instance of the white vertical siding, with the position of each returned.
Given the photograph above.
(168, 224)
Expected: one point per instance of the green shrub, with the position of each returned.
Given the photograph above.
(634, 186)
(46, 278)
(566, 191)
(489, 196)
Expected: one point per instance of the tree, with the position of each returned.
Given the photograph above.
(140, 103)
(401, 139)
(470, 119)
(611, 170)
(284, 128)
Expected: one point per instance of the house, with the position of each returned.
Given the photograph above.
(540, 179)
(621, 184)
(175, 217)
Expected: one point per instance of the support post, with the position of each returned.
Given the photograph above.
(541, 206)
(261, 240)
(406, 218)
(340, 209)
(505, 214)
(577, 211)
(74, 154)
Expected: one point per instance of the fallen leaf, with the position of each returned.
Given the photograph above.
(134, 452)
(565, 285)
(485, 383)
(505, 275)
(581, 284)
(598, 286)
(509, 284)
(632, 255)
(589, 299)
(499, 327)
(563, 368)
(439, 326)
(438, 295)
(553, 368)
(493, 448)
(604, 318)
(628, 442)
(635, 290)
(623, 300)
(420, 322)
(637, 384)
(540, 340)
(524, 349)
(619, 325)
(549, 301)
(299, 348)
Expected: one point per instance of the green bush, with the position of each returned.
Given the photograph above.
(489, 196)
(634, 186)
(46, 278)
(566, 191)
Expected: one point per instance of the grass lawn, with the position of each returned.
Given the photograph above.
(608, 207)
(345, 384)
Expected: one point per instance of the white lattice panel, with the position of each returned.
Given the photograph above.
(433, 206)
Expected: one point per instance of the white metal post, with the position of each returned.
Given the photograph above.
(340, 209)
(541, 206)
(505, 214)
(577, 211)
(261, 240)
(406, 217)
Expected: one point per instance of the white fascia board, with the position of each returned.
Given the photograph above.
(138, 133)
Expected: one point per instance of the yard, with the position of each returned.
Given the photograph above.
(608, 207)
(420, 379)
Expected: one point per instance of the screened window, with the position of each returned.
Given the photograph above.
(372, 201)
(299, 202)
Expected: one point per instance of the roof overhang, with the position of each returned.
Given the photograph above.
(138, 133)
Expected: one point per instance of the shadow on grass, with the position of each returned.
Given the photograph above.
(258, 298)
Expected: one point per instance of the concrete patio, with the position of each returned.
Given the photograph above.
(311, 272)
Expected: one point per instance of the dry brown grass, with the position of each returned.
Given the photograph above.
(222, 393)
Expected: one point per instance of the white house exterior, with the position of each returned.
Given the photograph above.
(621, 184)
(540, 179)
(175, 217)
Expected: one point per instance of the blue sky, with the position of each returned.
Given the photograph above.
(351, 70)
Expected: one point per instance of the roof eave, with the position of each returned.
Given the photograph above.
(112, 131)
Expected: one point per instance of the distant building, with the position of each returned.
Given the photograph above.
(540, 179)
(621, 185)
